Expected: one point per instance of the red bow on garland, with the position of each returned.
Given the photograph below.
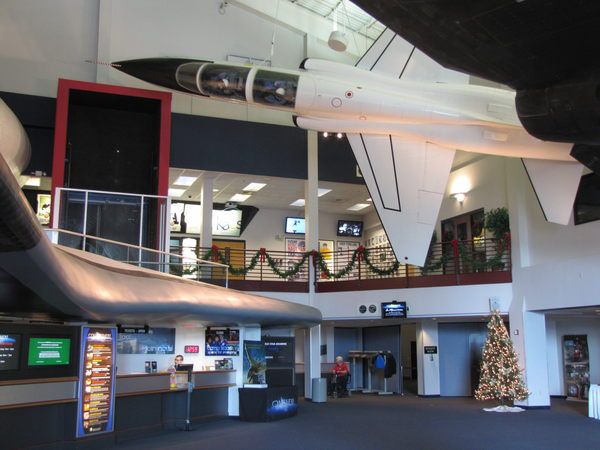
(454, 243)
(361, 253)
(214, 253)
(263, 254)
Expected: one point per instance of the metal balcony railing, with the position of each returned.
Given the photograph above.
(176, 264)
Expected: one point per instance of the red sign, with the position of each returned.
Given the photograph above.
(191, 349)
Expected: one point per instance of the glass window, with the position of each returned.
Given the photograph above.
(221, 80)
(275, 88)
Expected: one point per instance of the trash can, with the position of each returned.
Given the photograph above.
(319, 390)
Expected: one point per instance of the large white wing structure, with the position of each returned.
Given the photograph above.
(407, 181)
(555, 184)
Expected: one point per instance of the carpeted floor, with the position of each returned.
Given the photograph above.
(371, 422)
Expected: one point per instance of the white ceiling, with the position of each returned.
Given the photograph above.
(280, 192)
(277, 194)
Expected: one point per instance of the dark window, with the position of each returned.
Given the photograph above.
(275, 88)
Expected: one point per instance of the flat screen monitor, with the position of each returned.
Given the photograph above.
(393, 310)
(350, 228)
(295, 225)
(9, 351)
(49, 351)
(185, 367)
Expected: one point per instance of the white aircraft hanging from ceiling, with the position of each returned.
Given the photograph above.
(404, 116)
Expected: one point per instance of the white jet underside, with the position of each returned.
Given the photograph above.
(406, 174)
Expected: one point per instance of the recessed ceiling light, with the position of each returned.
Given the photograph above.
(239, 197)
(299, 202)
(369, 199)
(323, 191)
(215, 190)
(185, 181)
(33, 181)
(254, 187)
(173, 192)
(358, 207)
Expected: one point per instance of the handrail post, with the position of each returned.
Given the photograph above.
(84, 230)
(141, 231)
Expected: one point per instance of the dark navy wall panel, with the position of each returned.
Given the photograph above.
(208, 143)
(37, 116)
(384, 338)
(460, 355)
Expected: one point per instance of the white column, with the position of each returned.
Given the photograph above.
(530, 345)
(311, 213)
(428, 366)
(206, 197)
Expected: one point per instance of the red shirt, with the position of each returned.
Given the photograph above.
(341, 368)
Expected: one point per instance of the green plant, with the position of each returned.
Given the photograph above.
(496, 221)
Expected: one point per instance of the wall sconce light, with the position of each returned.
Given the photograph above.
(459, 197)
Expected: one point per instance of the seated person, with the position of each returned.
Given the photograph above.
(341, 373)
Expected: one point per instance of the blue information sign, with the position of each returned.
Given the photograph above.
(96, 396)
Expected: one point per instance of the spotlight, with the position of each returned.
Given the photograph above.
(325, 134)
(339, 135)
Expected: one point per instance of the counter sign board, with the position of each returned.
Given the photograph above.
(96, 397)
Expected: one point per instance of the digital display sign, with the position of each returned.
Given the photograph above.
(393, 310)
(222, 342)
(95, 405)
(191, 349)
(280, 351)
(48, 351)
(9, 351)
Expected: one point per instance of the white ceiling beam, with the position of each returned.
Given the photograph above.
(300, 20)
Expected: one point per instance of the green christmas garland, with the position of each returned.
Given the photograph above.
(360, 253)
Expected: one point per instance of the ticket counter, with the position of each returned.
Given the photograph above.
(145, 404)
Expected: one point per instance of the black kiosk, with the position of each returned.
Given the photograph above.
(279, 398)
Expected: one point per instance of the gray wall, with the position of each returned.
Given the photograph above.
(460, 346)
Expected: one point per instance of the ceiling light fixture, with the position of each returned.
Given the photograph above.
(369, 199)
(299, 202)
(337, 39)
(323, 191)
(239, 197)
(339, 135)
(173, 192)
(33, 181)
(358, 207)
(184, 181)
(254, 187)
(325, 134)
(459, 196)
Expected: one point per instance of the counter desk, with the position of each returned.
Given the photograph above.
(145, 404)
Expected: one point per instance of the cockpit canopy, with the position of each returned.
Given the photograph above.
(269, 88)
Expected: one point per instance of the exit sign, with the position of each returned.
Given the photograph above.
(191, 349)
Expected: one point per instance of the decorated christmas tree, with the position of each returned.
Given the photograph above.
(500, 377)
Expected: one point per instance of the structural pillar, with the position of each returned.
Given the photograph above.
(528, 333)
(428, 365)
(311, 214)
(206, 197)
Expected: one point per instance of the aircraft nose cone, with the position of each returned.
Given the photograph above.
(159, 71)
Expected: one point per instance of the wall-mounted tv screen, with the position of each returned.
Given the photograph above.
(295, 225)
(393, 310)
(49, 351)
(9, 351)
(351, 228)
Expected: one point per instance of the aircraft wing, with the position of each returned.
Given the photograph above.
(406, 180)
(391, 55)
(65, 283)
(555, 184)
